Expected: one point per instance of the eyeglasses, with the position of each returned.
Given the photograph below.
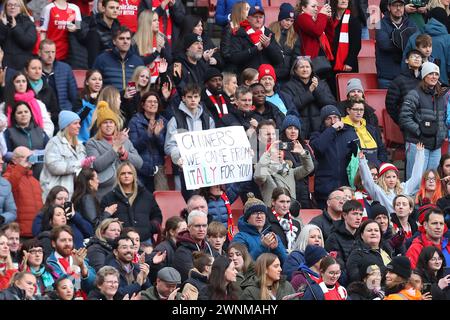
(339, 198)
(111, 282)
(152, 101)
(334, 273)
(416, 57)
(357, 110)
(431, 179)
(257, 213)
(13, 5)
(36, 251)
(434, 259)
(199, 226)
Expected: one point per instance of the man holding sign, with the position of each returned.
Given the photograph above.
(190, 116)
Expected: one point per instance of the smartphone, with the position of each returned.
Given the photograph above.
(288, 146)
(446, 271)
(132, 85)
(266, 230)
(426, 287)
(67, 207)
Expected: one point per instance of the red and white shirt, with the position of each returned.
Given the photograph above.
(128, 14)
(54, 23)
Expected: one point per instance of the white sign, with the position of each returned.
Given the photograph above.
(215, 156)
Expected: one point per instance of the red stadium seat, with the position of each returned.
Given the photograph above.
(168, 170)
(376, 99)
(80, 76)
(170, 202)
(271, 14)
(308, 214)
(367, 65)
(367, 48)
(393, 136)
(368, 80)
(237, 209)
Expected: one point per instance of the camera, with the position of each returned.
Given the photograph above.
(288, 146)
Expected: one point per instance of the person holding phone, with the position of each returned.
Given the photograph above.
(254, 231)
(17, 34)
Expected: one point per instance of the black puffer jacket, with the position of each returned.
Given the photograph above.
(13, 293)
(18, 42)
(309, 103)
(169, 246)
(342, 241)
(144, 215)
(397, 91)
(97, 252)
(424, 106)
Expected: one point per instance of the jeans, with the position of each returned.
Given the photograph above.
(432, 158)
(383, 83)
(364, 33)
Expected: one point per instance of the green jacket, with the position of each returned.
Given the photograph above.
(151, 294)
(251, 289)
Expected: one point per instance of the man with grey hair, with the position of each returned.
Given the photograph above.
(197, 202)
(193, 239)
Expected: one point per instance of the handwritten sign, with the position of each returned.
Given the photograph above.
(215, 156)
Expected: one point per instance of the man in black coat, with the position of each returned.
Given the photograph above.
(253, 44)
(403, 83)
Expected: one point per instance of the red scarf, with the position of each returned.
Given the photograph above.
(337, 293)
(29, 98)
(342, 51)
(395, 229)
(168, 30)
(224, 109)
(154, 66)
(252, 33)
(66, 265)
(230, 224)
(279, 217)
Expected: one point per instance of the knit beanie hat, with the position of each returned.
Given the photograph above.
(211, 73)
(401, 266)
(386, 167)
(427, 68)
(327, 111)
(377, 209)
(286, 11)
(190, 39)
(104, 113)
(266, 70)
(290, 120)
(314, 254)
(252, 205)
(66, 117)
(354, 84)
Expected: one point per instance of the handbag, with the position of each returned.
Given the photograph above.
(429, 127)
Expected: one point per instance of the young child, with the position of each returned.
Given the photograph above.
(424, 43)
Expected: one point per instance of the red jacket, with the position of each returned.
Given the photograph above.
(27, 194)
(310, 32)
(416, 247)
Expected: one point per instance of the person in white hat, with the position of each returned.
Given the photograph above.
(422, 119)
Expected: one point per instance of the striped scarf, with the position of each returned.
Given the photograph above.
(230, 223)
(224, 109)
(342, 51)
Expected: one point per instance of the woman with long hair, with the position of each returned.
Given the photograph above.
(268, 284)
(86, 104)
(430, 266)
(136, 207)
(242, 260)
(84, 197)
(7, 269)
(430, 188)
(147, 133)
(222, 280)
(112, 96)
(110, 147)
(287, 38)
(197, 282)
(19, 89)
(133, 94)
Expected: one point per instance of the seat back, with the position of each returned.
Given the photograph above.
(367, 65)
(237, 209)
(367, 49)
(376, 99)
(368, 80)
(80, 76)
(392, 132)
(170, 202)
(308, 214)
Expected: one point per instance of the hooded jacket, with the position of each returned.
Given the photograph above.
(169, 246)
(251, 237)
(293, 262)
(183, 255)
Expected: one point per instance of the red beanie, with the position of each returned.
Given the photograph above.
(386, 167)
(266, 70)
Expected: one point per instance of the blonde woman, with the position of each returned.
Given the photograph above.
(136, 206)
(287, 38)
(111, 147)
(64, 155)
(152, 44)
(17, 34)
(100, 245)
(140, 84)
(268, 283)
(110, 95)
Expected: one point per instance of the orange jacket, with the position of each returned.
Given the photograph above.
(27, 194)
(405, 294)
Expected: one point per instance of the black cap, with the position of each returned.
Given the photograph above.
(190, 39)
(401, 266)
(211, 73)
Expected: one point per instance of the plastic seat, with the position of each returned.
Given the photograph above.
(170, 202)
(367, 48)
(376, 98)
(80, 76)
(237, 209)
(271, 14)
(393, 136)
(367, 65)
(368, 80)
(308, 214)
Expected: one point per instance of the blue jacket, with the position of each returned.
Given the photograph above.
(292, 263)
(332, 152)
(116, 71)
(217, 211)
(224, 7)
(250, 237)
(388, 56)
(8, 208)
(87, 284)
(149, 147)
(66, 86)
(441, 47)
